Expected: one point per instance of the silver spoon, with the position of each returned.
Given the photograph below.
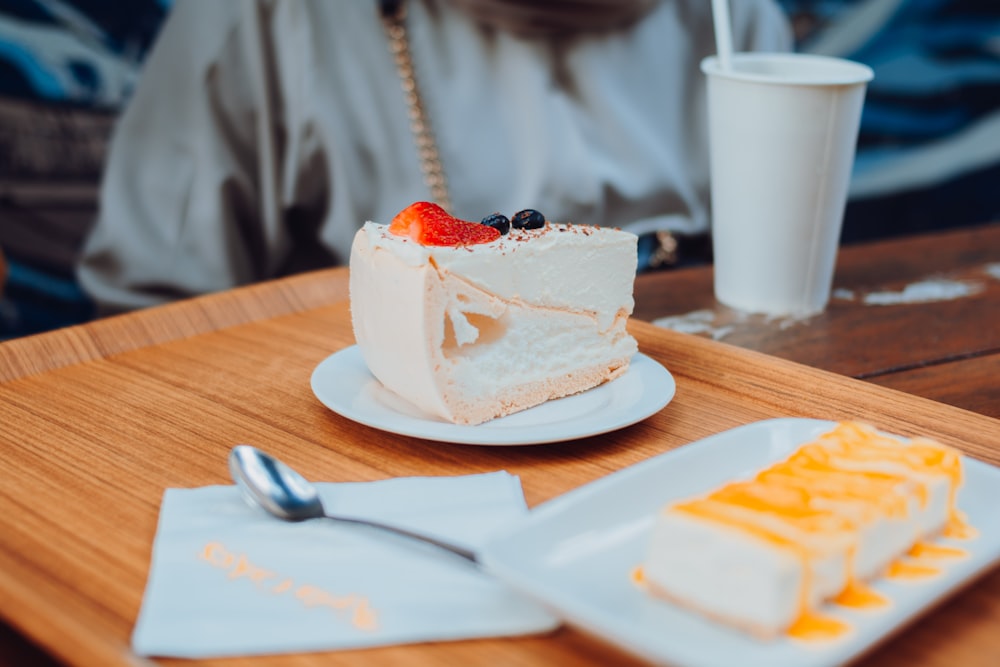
(271, 485)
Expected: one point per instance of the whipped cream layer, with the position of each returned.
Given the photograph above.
(471, 333)
(764, 554)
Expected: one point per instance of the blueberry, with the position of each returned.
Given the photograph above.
(529, 218)
(497, 221)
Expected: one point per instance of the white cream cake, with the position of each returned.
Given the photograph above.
(763, 554)
(468, 333)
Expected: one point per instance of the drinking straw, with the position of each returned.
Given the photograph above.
(723, 33)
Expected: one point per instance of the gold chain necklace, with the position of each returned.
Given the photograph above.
(394, 22)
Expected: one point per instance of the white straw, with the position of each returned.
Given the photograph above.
(723, 33)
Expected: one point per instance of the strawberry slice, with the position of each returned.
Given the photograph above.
(429, 224)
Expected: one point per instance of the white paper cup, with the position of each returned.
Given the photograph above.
(782, 134)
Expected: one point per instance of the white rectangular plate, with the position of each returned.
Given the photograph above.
(576, 554)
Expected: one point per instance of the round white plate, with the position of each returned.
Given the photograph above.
(343, 383)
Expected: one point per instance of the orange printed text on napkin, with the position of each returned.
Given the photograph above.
(237, 566)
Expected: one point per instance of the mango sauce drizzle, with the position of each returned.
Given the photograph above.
(823, 494)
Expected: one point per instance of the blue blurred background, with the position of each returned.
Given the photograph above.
(929, 147)
(928, 153)
(66, 69)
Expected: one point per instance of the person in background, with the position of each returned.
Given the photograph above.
(263, 134)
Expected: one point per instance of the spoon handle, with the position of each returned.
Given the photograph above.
(467, 554)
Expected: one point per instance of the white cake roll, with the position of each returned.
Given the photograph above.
(470, 333)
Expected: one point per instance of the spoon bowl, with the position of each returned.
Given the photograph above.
(273, 486)
(280, 491)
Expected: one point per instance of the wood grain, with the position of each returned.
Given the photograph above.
(972, 384)
(156, 399)
(105, 337)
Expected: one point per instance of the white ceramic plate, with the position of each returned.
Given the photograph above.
(343, 383)
(576, 553)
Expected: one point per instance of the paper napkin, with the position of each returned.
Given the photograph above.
(226, 579)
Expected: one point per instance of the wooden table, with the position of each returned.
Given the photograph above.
(947, 349)
(155, 400)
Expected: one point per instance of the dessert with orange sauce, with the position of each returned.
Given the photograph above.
(471, 321)
(764, 554)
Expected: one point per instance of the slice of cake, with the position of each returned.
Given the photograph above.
(763, 554)
(469, 322)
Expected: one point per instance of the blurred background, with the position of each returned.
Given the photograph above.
(928, 152)
(66, 69)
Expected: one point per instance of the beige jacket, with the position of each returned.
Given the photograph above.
(263, 134)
